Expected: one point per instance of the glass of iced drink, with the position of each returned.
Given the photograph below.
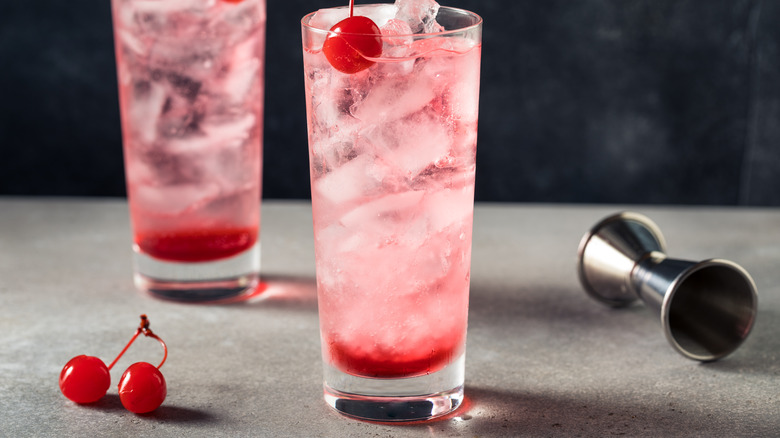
(392, 145)
(191, 101)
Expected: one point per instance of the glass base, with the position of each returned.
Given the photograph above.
(396, 400)
(221, 280)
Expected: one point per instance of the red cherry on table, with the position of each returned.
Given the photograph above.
(142, 388)
(85, 379)
(350, 41)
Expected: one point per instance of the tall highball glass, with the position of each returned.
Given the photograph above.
(392, 157)
(191, 102)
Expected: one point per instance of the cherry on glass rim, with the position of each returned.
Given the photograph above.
(350, 41)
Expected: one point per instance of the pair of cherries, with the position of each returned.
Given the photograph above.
(351, 41)
(142, 388)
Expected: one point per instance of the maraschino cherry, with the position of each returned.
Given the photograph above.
(142, 388)
(350, 41)
(85, 379)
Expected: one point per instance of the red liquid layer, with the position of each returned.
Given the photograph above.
(196, 245)
(388, 365)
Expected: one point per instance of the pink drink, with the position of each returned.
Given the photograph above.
(191, 95)
(392, 152)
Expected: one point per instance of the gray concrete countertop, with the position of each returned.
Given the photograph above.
(543, 358)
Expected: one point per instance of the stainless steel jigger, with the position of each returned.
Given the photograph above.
(707, 308)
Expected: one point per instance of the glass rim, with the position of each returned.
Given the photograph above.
(477, 23)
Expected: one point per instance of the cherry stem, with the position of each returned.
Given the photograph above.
(142, 328)
(351, 7)
(165, 347)
(137, 332)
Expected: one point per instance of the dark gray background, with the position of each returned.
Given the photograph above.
(607, 101)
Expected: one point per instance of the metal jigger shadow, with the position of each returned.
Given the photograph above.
(707, 308)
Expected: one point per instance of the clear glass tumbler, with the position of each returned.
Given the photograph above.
(392, 156)
(190, 78)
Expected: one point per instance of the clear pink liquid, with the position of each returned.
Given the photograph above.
(392, 152)
(191, 100)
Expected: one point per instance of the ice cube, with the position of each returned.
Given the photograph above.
(378, 13)
(397, 38)
(213, 135)
(229, 133)
(395, 27)
(175, 199)
(381, 208)
(166, 7)
(328, 99)
(419, 14)
(422, 140)
(240, 80)
(449, 206)
(426, 142)
(338, 241)
(452, 65)
(325, 18)
(347, 183)
(148, 104)
(130, 42)
(396, 33)
(395, 99)
(243, 71)
(392, 228)
(189, 144)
